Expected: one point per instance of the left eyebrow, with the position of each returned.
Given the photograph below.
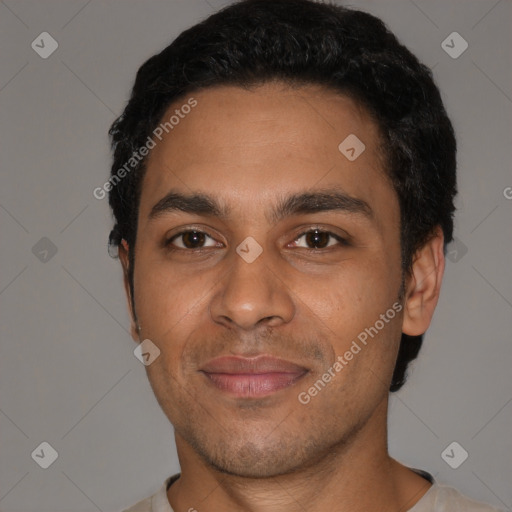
(320, 201)
(303, 203)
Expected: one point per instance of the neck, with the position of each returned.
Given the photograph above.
(355, 476)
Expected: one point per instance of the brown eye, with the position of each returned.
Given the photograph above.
(319, 239)
(191, 240)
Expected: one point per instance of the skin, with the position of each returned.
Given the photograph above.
(248, 149)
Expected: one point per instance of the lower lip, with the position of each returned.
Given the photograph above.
(253, 385)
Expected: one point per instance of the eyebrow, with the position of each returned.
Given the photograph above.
(303, 203)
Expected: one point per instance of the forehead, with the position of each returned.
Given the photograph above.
(245, 146)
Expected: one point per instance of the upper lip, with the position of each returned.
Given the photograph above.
(238, 365)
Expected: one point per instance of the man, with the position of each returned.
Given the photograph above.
(283, 187)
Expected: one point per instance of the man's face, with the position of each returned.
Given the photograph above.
(220, 315)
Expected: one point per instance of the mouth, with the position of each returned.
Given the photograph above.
(252, 377)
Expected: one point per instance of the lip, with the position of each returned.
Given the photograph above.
(252, 377)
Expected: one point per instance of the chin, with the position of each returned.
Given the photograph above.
(268, 458)
(253, 465)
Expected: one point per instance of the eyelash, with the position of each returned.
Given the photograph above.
(169, 242)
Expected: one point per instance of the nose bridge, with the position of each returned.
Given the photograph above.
(251, 290)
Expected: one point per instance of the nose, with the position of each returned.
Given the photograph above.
(252, 295)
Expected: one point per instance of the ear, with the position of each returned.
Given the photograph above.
(424, 285)
(125, 262)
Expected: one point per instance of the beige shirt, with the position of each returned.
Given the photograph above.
(439, 498)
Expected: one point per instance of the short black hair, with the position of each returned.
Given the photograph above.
(252, 42)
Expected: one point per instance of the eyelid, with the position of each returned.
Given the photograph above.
(167, 242)
(342, 239)
(334, 231)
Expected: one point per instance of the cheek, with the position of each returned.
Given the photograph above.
(171, 308)
(352, 296)
(351, 304)
(165, 297)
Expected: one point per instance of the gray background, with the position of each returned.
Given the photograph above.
(68, 375)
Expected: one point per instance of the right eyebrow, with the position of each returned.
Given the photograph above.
(200, 204)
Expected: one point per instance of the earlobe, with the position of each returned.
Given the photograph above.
(424, 285)
(124, 250)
